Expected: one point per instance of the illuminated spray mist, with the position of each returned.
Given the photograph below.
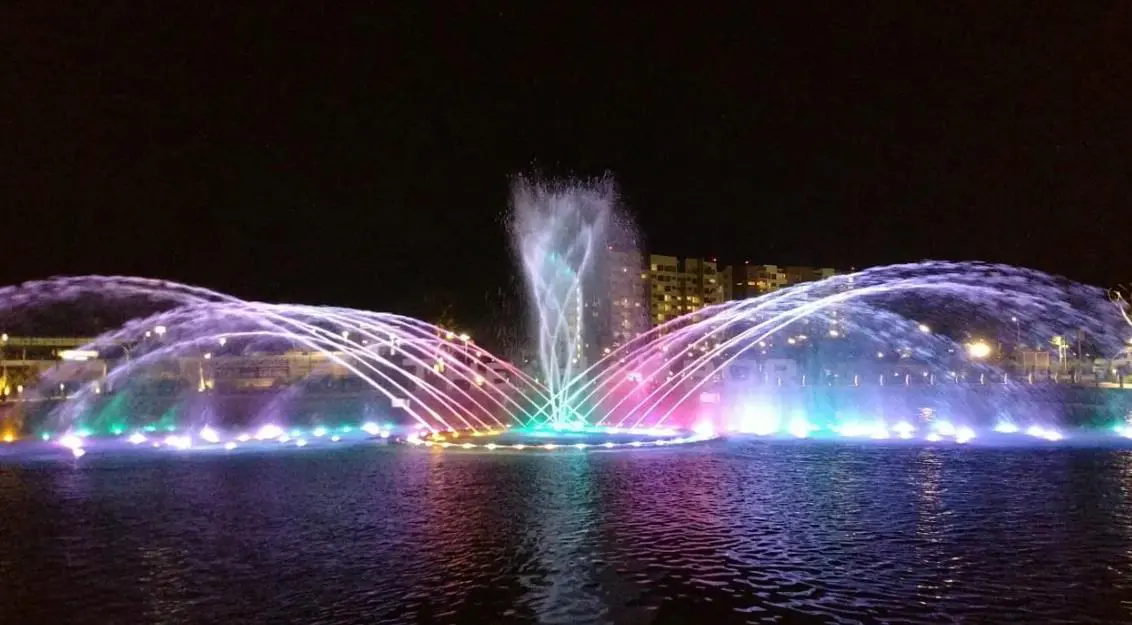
(561, 231)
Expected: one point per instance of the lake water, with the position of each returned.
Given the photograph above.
(730, 532)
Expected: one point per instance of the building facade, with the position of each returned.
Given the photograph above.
(620, 312)
(681, 286)
(750, 280)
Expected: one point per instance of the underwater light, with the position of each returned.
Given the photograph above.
(269, 431)
(1005, 427)
(208, 434)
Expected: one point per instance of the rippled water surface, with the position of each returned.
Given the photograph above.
(725, 533)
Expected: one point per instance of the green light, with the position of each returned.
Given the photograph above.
(171, 428)
(150, 428)
(45, 436)
(117, 430)
(347, 429)
(83, 433)
(295, 433)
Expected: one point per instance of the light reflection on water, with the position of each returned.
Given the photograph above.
(729, 532)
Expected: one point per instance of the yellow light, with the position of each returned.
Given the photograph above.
(9, 437)
(77, 355)
(464, 337)
(979, 350)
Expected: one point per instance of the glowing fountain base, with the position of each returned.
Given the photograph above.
(561, 437)
(269, 437)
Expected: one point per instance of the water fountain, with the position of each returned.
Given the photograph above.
(871, 362)
(559, 231)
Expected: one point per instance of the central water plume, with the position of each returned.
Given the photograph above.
(561, 231)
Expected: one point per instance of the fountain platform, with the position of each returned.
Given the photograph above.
(562, 436)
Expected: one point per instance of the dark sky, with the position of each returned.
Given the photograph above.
(362, 157)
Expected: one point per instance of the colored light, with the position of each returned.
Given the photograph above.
(302, 442)
(705, 429)
(799, 427)
(319, 432)
(933, 437)
(9, 437)
(945, 428)
(71, 441)
(269, 431)
(335, 438)
(759, 420)
(78, 452)
(137, 438)
(229, 445)
(371, 428)
(903, 428)
(964, 434)
(243, 438)
(1005, 427)
(209, 435)
(179, 442)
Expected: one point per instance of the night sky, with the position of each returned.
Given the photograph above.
(363, 157)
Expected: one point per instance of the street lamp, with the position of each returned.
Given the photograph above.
(978, 350)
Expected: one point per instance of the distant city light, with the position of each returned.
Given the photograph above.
(979, 350)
